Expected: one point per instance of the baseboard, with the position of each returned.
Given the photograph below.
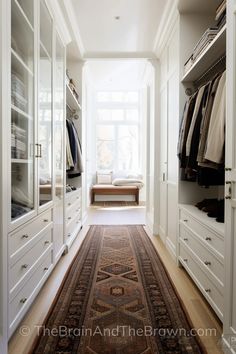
(162, 234)
(171, 248)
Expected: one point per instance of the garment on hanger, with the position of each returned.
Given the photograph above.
(74, 151)
(202, 134)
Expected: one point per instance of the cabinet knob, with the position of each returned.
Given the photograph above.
(24, 266)
(228, 197)
(46, 242)
(208, 238)
(207, 290)
(25, 236)
(22, 301)
(46, 268)
(185, 220)
(69, 204)
(69, 235)
(69, 218)
(45, 220)
(207, 263)
(185, 239)
(185, 259)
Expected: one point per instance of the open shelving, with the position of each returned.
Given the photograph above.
(71, 100)
(214, 51)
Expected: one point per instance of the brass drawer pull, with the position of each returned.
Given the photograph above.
(25, 236)
(22, 301)
(208, 238)
(24, 266)
(207, 263)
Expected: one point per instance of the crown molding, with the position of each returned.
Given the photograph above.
(168, 20)
(74, 25)
(60, 21)
(118, 55)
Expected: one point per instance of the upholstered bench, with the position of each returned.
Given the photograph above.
(109, 189)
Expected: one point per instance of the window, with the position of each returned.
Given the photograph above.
(118, 131)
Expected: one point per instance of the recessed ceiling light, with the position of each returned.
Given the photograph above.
(117, 17)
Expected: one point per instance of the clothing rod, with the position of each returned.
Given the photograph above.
(220, 60)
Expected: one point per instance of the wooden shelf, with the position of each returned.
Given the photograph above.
(71, 100)
(214, 51)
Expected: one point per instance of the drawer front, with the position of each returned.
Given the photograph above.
(73, 226)
(23, 299)
(209, 260)
(18, 271)
(20, 238)
(73, 212)
(73, 198)
(206, 286)
(205, 233)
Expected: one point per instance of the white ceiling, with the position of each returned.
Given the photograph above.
(117, 74)
(100, 35)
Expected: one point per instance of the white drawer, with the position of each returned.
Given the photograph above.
(73, 197)
(73, 226)
(26, 264)
(210, 262)
(207, 287)
(211, 237)
(19, 305)
(73, 212)
(20, 238)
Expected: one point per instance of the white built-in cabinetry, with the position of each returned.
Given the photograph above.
(201, 239)
(39, 221)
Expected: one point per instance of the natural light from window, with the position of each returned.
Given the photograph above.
(118, 131)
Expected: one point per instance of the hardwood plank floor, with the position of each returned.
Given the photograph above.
(199, 311)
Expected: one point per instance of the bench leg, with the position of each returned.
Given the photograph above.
(137, 197)
(92, 197)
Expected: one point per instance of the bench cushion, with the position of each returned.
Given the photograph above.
(111, 187)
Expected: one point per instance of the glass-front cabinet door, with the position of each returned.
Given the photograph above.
(59, 118)
(22, 109)
(44, 146)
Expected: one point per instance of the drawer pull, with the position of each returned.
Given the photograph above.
(22, 301)
(46, 242)
(207, 263)
(69, 218)
(185, 260)
(228, 197)
(69, 235)
(185, 239)
(185, 220)
(69, 204)
(24, 266)
(25, 236)
(208, 238)
(46, 268)
(45, 220)
(207, 290)
(77, 210)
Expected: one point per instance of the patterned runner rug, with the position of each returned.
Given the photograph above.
(117, 298)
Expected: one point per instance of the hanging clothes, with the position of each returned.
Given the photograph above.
(75, 162)
(202, 134)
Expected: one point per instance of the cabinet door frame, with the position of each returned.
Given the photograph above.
(12, 225)
(229, 329)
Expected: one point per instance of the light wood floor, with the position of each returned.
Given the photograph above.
(199, 311)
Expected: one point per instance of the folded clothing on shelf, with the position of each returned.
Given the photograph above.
(18, 210)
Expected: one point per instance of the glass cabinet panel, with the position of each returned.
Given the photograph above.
(45, 107)
(22, 109)
(59, 117)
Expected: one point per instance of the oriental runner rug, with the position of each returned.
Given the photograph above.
(117, 298)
